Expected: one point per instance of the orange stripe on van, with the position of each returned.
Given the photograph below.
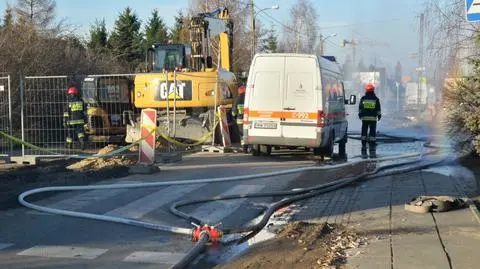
(281, 114)
(265, 114)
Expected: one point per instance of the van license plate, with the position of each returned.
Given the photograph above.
(265, 125)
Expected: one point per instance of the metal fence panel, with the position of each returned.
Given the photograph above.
(109, 112)
(5, 115)
(107, 103)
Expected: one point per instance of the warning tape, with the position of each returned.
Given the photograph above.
(77, 156)
(153, 129)
(199, 142)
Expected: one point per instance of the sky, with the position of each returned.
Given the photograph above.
(372, 21)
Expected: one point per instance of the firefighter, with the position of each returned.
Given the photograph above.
(237, 113)
(369, 112)
(74, 118)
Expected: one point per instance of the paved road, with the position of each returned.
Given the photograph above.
(30, 239)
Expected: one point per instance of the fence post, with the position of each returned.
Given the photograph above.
(22, 108)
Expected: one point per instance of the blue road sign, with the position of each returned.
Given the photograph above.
(472, 9)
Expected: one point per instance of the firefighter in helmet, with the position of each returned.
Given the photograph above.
(369, 112)
(238, 110)
(74, 118)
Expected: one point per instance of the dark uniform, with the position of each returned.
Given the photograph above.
(74, 118)
(369, 112)
(238, 111)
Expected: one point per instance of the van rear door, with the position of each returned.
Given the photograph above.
(300, 98)
(265, 97)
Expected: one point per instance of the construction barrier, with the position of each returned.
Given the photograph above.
(5, 116)
(224, 130)
(146, 151)
(44, 100)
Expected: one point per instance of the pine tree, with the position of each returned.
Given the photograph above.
(98, 36)
(271, 42)
(126, 40)
(179, 32)
(156, 30)
(8, 16)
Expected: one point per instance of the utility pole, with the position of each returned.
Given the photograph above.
(420, 58)
(321, 45)
(252, 14)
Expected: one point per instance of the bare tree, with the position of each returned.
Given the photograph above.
(301, 34)
(40, 13)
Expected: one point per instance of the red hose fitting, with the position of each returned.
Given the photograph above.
(214, 234)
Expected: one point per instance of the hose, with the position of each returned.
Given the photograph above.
(304, 194)
(180, 230)
(193, 252)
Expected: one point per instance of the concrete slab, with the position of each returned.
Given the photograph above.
(216, 149)
(5, 158)
(168, 157)
(144, 169)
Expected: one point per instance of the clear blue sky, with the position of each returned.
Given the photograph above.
(387, 21)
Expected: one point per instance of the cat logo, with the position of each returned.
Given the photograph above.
(164, 91)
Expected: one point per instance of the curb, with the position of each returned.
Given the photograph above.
(473, 207)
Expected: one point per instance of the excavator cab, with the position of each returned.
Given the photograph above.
(170, 57)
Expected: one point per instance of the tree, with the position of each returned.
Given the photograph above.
(8, 16)
(98, 36)
(179, 33)
(156, 30)
(36, 12)
(126, 40)
(462, 103)
(301, 34)
(271, 42)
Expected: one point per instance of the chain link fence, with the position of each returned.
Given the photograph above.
(6, 145)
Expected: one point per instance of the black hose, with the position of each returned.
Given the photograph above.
(193, 252)
(301, 194)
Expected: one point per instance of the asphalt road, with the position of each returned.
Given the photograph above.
(30, 239)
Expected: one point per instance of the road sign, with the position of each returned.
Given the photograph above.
(472, 10)
(420, 69)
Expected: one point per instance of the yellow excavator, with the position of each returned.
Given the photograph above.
(107, 98)
(183, 84)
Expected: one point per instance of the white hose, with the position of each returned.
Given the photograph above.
(177, 230)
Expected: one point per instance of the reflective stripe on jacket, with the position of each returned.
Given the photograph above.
(369, 107)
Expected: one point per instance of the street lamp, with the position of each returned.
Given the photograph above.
(253, 26)
(322, 42)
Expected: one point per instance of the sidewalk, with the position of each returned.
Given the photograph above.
(398, 238)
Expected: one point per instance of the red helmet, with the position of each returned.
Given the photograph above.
(370, 87)
(242, 89)
(72, 90)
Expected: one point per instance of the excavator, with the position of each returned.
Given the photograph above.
(183, 84)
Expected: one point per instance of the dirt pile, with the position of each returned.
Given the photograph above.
(301, 245)
(92, 164)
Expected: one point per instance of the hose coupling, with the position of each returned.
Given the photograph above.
(214, 234)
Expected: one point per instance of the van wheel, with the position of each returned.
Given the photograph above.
(342, 147)
(266, 150)
(255, 150)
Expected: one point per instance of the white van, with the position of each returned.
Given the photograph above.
(295, 100)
